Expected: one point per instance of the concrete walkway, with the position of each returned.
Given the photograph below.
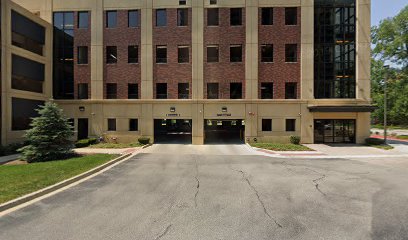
(9, 158)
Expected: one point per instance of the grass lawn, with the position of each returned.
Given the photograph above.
(403, 137)
(116, 145)
(281, 146)
(398, 127)
(382, 146)
(18, 180)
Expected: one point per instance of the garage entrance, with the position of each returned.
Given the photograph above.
(224, 131)
(173, 131)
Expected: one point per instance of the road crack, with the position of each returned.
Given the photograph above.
(316, 183)
(165, 232)
(258, 197)
(197, 186)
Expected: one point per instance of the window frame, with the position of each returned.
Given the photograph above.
(288, 127)
(181, 59)
(209, 96)
(240, 94)
(80, 60)
(115, 20)
(79, 26)
(159, 23)
(79, 95)
(263, 15)
(133, 128)
(289, 96)
(112, 125)
(133, 95)
(159, 95)
(239, 16)
(111, 93)
(216, 21)
(182, 13)
(266, 125)
(217, 58)
(186, 94)
(288, 22)
(265, 59)
(137, 12)
(161, 60)
(114, 58)
(238, 59)
(288, 49)
(264, 85)
(133, 60)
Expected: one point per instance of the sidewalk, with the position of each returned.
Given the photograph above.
(9, 158)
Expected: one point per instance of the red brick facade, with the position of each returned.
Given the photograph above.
(224, 72)
(279, 34)
(122, 73)
(172, 36)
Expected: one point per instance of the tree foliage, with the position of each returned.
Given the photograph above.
(390, 41)
(49, 136)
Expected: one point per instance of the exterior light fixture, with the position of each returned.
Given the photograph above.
(172, 109)
(82, 108)
(224, 109)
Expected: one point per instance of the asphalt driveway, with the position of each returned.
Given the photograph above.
(223, 192)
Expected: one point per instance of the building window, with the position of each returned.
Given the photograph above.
(182, 2)
(22, 112)
(235, 90)
(133, 18)
(111, 54)
(161, 90)
(161, 17)
(83, 55)
(182, 17)
(290, 125)
(291, 16)
(212, 17)
(290, 90)
(212, 91)
(111, 91)
(111, 19)
(133, 91)
(267, 16)
(133, 54)
(183, 54)
(111, 124)
(161, 54)
(83, 19)
(266, 125)
(27, 75)
(212, 54)
(266, 90)
(236, 16)
(82, 91)
(267, 53)
(291, 53)
(133, 125)
(236, 53)
(183, 91)
(213, 2)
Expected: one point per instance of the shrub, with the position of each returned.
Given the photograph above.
(374, 141)
(82, 143)
(92, 141)
(295, 140)
(144, 140)
(2, 150)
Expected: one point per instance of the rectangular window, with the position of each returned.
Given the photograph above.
(212, 17)
(291, 16)
(82, 91)
(183, 91)
(267, 53)
(133, 125)
(27, 34)
(183, 54)
(83, 19)
(266, 125)
(133, 54)
(213, 2)
(161, 54)
(182, 17)
(83, 55)
(133, 91)
(111, 91)
(161, 17)
(111, 124)
(266, 90)
(111, 19)
(212, 91)
(235, 90)
(161, 90)
(267, 16)
(27, 75)
(290, 125)
(236, 53)
(236, 16)
(133, 18)
(291, 53)
(212, 54)
(22, 112)
(111, 54)
(290, 90)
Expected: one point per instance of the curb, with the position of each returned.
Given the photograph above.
(31, 196)
(147, 145)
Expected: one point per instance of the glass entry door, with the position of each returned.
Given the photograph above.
(335, 131)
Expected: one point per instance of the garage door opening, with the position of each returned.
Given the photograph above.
(173, 131)
(224, 131)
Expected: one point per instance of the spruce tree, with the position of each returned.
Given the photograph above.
(49, 136)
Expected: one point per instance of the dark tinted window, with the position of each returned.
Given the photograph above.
(183, 91)
(133, 18)
(291, 16)
(290, 90)
(133, 91)
(161, 90)
(161, 54)
(236, 16)
(290, 125)
(133, 125)
(212, 17)
(83, 55)
(133, 54)
(22, 112)
(182, 17)
(111, 124)
(266, 90)
(83, 19)
(111, 54)
(267, 16)
(266, 125)
(111, 91)
(27, 34)
(212, 91)
(235, 90)
(291, 53)
(161, 17)
(27, 75)
(212, 54)
(82, 91)
(183, 54)
(267, 53)
(236, 53)
(111, 19)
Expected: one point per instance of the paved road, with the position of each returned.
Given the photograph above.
(224, 192)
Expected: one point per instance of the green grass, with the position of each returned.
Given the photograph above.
(382, 146)
(116, 145)
(403, 137)
(18, 180)
(397, 127)
(281, 146)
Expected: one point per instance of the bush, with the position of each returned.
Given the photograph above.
(86, 142)
(374, 141)
(144, 140)
(295, 140)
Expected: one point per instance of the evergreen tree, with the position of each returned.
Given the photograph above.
(49, 136)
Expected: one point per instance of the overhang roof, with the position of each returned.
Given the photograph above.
(351, 108)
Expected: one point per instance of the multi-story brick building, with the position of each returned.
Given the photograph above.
(212, 70)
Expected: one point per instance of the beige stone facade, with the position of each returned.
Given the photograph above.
(251, 109)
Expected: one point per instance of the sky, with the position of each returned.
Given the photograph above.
(381, 9)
